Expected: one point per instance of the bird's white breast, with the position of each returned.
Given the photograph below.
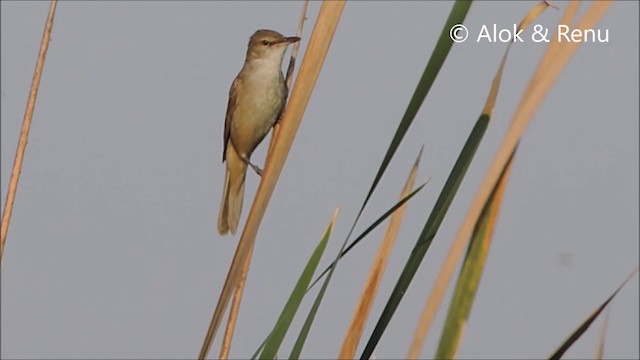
(259, 104)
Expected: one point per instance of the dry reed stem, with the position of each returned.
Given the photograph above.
(321, 37)
(235, 310)
(26, 125)
(237, 295)
(290, 68)
(538, 88)
(360, 315)
(567, 18)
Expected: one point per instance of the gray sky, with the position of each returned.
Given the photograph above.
(113, 250)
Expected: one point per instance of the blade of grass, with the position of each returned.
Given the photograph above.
(464, 294)
(297, 348)
(306, 327)
(26, 126)
(539, 86)
(456, 16)
(456, 319)
(428, 232)
(366, 232)
(369, 229)
(286, 317)
(324, 29)
(587, 323)
(368, 295)
(259, 350)
(438, 56)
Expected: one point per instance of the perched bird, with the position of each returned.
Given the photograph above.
(256, 99)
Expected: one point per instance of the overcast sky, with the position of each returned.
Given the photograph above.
(113, 250)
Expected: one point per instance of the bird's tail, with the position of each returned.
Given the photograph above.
(233, 193)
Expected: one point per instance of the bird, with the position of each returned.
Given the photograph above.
(256, 100)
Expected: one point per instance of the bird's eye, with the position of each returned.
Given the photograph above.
(265, 42)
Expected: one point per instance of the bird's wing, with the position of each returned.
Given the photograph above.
(233, 101)
(284, 104)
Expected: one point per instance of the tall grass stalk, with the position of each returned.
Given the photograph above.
(26, 126)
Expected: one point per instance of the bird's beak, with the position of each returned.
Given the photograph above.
(291, 39)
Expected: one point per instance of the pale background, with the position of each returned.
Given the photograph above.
(113, 252)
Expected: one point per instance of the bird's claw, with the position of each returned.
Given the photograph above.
(256, 169)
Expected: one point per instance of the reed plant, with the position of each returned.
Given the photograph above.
(469, 249)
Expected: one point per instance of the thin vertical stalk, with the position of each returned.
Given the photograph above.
(26, 125)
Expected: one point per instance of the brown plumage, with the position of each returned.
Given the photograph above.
(256, 99)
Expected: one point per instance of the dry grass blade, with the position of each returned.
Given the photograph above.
(495, 86)
(321, 37)
(26, 125)
(603, 335)
(534, 13)
(296, 46)
(538, 88)
(567, 18)
(237, 295)
(291, 67)
(359, 319)
(225, 347)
